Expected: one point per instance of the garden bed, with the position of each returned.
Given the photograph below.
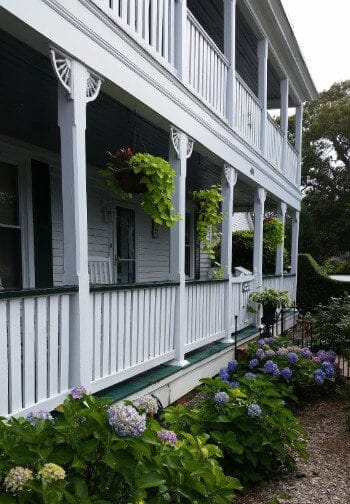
(327, 476)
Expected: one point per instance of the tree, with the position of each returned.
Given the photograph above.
(325, 218)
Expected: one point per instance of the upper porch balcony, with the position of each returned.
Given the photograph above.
(219, 52)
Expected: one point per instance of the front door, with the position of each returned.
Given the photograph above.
(125, 246)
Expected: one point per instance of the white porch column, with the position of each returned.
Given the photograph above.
(294, 249)
(229, 51)
(281, 216)
(180, 149)
(299, 140)
(228, 181)
(263, 53)
(77, 87)
(181, 44)
(284, 86)
(259, 207)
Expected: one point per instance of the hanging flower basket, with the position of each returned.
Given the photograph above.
(129, 181)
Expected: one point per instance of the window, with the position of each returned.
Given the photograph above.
(125, 245)
(10, 228)
(189, 245)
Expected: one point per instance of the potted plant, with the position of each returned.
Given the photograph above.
(208, 219)
(270, 299)
(142, 173)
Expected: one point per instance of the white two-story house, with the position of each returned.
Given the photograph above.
(92, 292)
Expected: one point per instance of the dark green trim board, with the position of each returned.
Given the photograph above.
(50, 291)
(206, 281)
(135, 286)
(41, 192)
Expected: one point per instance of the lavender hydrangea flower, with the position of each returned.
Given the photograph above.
(39, 415)
(224, 375)
(260, 354)
(292, 357)
(282, 352)
(221, 398)
(269, 340)
(253, 363)
(148, 404)
(286, 373)
(322, 355)
(126, 420)
(306, 353)
(270, 353)
(232, 365)
(234, 384)
(319, 376)
(262, 342)
(254, 410)
(250, 375)
(328, 369)
(167, 436)
(271, 367)
(331, 356)
(78, 392)
(17, 479)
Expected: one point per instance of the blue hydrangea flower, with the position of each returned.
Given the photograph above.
(286, 373)
(319, 376)
(254, 410)
(253, 363)
(331, 356)
(234, 384)
(270, 353)
(167, 436)
(42, 415)
(322, 355)
(292, 357)
(78, 392)
(231, 366)
(262, 342)
(328, 369)
(271, 367)
(260, 354)
(250, 375)
(268, 340)
(306, 353)
(221, 398)
(224, 375)
(126, 420)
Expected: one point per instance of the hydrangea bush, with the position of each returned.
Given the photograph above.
(90, 451)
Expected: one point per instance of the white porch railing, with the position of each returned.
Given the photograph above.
(205, 312)
(150, 22)
(292, 160)
(241, 288)
(274, 143)
(34, 349)
(133, 330)
(248, 113)
(207, 66)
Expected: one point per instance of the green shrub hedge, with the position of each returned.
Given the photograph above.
(314, 286)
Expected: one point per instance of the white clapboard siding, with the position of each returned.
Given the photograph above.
(100, 270)
(205, 313)
(241, 288)
(133, 331)
(207, 66)
(150, 22)
(248, 113)
(34, 352)
(291, 167)
(274, 143)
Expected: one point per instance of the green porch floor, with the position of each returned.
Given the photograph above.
(139, 382)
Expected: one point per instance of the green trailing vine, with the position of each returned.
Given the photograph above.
(156, 175)
(271, 296)
(273, 233)
(209, 217)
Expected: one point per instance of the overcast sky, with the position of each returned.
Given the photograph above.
(322, 28)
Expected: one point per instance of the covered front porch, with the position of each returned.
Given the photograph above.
(93, 292)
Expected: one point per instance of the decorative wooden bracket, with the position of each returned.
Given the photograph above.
(230, 175)
(175, 140)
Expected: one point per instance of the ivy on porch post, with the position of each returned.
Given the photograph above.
(180, 149)
(77, 87)
(298, 140)
(228, 181)
(229, 51)
(281, 216)
(263, 52)
(284, 86)
(294, 247)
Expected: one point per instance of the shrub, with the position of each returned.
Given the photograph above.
(93, 453)
(314, 286)
(336, 266)
(255, 431)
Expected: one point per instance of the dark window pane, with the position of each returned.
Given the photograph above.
(8, 194)
(10, 258)
(125, 245)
